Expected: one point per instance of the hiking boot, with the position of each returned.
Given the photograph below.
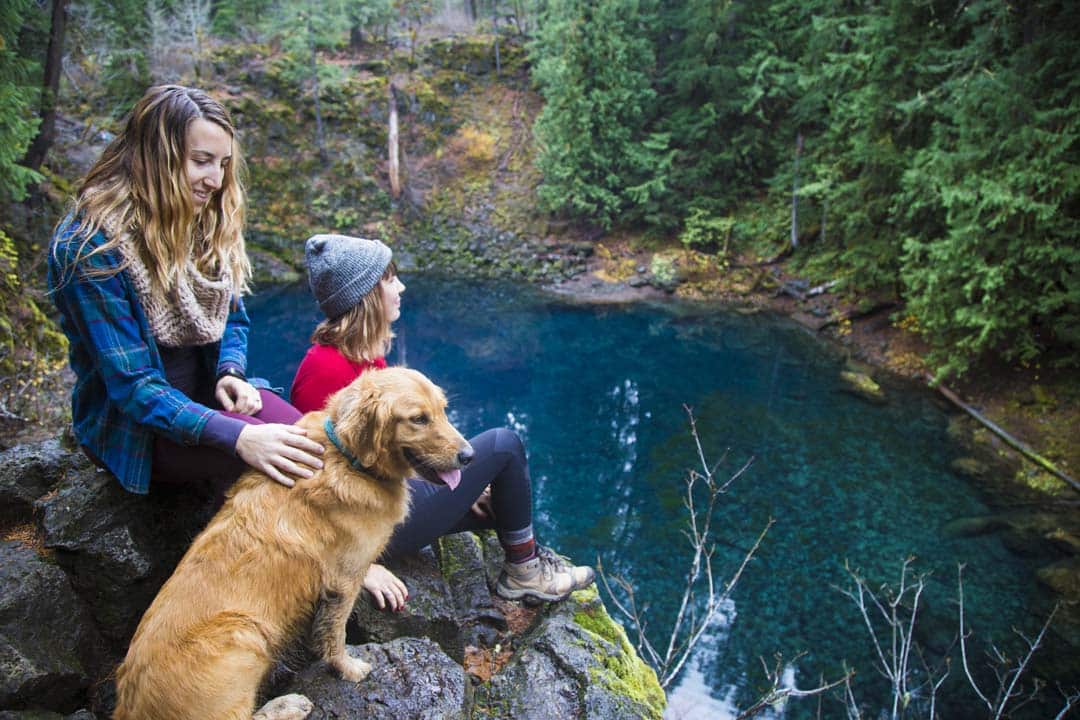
(546, 577)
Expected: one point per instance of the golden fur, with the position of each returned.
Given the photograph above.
(275, 561)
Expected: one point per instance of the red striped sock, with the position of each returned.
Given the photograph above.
(520, 552)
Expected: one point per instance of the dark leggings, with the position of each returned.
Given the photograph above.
(436, 510)
(179, 464)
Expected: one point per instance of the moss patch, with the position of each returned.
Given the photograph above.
(622, 671)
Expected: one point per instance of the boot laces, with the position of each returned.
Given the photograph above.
(551, 560)
(552, 564)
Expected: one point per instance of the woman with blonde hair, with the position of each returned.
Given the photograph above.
(148, 271)
(356, 285)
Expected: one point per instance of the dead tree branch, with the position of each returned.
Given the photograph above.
(778, 695)
(692, 620)
(894, 656)
(1007, 674)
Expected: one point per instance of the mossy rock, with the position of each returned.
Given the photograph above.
(474, 55)
(33, 350)
(862, 385)
(974, 526)
(576, 663)
(620, 670)
(969, 467)
(1034, 534)
(270, 269)
(1063, 577)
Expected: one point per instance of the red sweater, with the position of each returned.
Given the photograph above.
(322, 372)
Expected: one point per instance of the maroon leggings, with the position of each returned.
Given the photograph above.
(182, 464)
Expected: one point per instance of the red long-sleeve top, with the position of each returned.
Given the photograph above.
(322, 372)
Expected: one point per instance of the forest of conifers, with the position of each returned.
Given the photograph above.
(924, 151)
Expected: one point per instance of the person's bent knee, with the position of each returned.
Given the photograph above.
(508, 441)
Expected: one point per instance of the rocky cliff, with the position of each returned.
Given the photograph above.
(82, 559)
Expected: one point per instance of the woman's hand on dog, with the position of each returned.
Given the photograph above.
(385, 588)
(279, 450)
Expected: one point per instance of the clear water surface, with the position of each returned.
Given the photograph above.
(597, 393)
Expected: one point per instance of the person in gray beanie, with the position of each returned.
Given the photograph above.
(356, 286)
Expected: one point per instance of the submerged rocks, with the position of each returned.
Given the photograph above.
(861, 385)
(1063, 577)
(69, 605)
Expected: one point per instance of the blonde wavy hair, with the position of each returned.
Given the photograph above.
(139, 185)
(363, 332)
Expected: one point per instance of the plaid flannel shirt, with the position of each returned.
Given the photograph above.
(121, 397)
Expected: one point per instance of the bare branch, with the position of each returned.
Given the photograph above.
(1071, 699)
(1012, 691)
(702, 598)
(895, 663)
(1008, 676)
(779, 693)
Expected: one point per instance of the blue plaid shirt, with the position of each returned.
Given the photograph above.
(121, 397)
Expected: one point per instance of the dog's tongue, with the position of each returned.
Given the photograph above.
(452, 478)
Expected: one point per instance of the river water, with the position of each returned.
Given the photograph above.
(598, 395)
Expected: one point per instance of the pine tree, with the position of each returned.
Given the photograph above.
(992, 261)
(19, 95)
(600, 157)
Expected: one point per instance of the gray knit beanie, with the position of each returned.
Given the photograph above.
(343, 269)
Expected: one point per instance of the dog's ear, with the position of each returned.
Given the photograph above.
(376, 433)
(363, 421)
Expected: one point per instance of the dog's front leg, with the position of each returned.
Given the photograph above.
(328, 631)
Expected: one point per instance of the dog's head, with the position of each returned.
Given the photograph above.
(394, 421)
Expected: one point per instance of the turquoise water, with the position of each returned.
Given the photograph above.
(597, 393)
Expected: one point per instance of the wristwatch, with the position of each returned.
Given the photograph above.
(231, 372)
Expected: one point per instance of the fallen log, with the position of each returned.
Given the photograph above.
(1018, 445)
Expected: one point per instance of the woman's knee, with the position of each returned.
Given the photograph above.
(508, 441)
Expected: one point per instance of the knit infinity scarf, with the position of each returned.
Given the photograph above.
(192, 313)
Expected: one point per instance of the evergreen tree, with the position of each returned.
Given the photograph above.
(992, 259)
(593, 62)
(110, 38)
(19, 95)
(725, 86)
(860, 72)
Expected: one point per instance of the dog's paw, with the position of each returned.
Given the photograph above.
(350, 668)
(286, 707)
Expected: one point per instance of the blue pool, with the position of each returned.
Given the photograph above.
(597, 393)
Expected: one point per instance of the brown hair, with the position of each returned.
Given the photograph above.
(139, 184)
(363, 331)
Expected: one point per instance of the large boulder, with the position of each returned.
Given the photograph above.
(50, 651)
(428, 613)
(576, 663)
(410, 678)
(116, 547)
(462, 561)
(450, 600)
(27, 472)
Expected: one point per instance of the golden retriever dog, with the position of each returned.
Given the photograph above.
(275, 562)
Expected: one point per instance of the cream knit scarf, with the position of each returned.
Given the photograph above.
(192, 313)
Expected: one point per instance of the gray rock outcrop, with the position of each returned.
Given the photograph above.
(90, 557)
